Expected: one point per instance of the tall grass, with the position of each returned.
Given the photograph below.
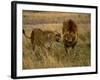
(56, 56)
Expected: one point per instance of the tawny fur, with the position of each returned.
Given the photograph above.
(70, 34)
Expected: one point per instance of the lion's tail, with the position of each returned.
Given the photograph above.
(26, 35)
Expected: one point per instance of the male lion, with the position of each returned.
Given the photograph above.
(70, 34)
(43, 38)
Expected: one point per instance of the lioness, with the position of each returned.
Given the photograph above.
(43, 38)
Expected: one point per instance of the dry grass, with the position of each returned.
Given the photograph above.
(56, 57)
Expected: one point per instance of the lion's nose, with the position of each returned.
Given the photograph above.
(69, 40)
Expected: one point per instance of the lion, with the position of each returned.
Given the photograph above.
(70, 34)
(42, 38)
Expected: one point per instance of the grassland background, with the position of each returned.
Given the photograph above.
(57, 57)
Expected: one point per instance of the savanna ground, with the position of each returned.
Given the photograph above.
(57, 56)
